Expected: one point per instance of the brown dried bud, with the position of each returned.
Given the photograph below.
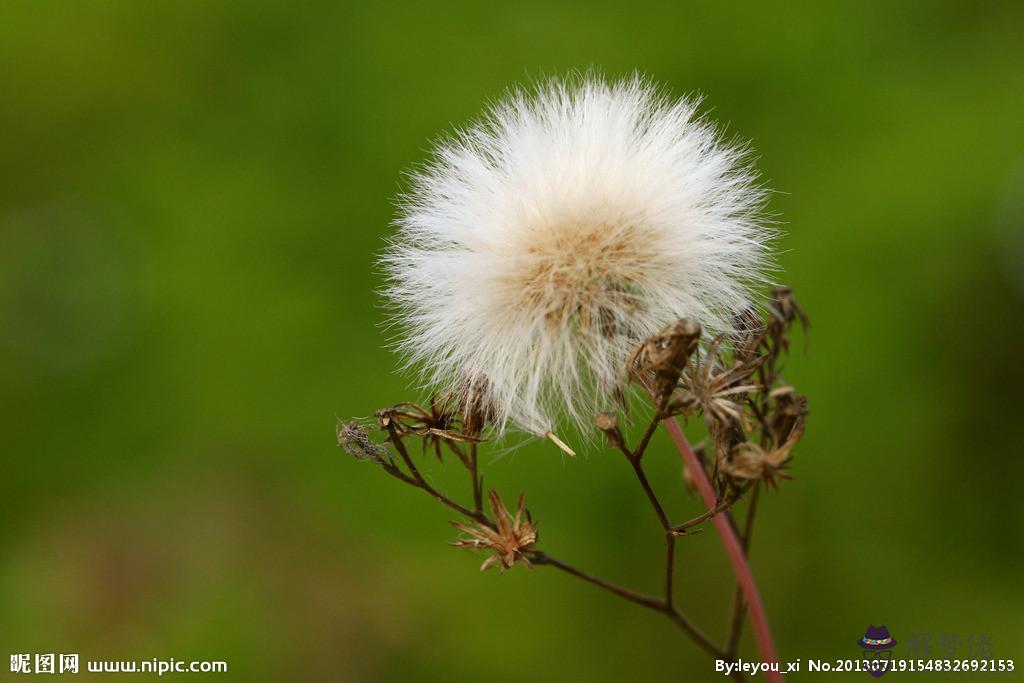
(609, 424)
(509, 541)
(666, 353)
(749, 461)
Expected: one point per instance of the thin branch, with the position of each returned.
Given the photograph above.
(634, 458)
(651, 496)
(418, 481)
(723, 505)
(670, 542)
(670, 561)
(648, 601)
(694, 633)
(477, 493)
(645, 440)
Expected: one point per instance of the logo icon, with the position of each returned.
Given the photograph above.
(877, 645)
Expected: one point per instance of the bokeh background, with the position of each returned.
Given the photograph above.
(191, 198)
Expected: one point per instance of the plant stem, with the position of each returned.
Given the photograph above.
(477, 494)
(648, 601)
(670, 561)
(733, 548)
(634, 457)
(540, 557)
(651, 496)
(722, 506)
(418, 481)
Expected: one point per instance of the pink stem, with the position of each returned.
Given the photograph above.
(762, 631)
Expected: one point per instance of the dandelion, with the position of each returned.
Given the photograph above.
(547, 240)
(577, 238)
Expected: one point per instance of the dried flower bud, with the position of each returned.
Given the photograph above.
(718, 390)
(666, 353)
(750, 461)
(746, 462)
(509, 541)
(609, 424)
(355, 441)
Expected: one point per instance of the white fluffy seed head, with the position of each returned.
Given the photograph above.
(545, 241)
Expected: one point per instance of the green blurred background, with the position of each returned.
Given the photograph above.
(192, 195)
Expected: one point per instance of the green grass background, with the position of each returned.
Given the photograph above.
(192, 195)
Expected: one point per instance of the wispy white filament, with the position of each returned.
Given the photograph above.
(544, 242)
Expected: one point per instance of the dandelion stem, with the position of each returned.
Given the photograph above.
(733, 548)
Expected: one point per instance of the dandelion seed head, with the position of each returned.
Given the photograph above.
(545, 241)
